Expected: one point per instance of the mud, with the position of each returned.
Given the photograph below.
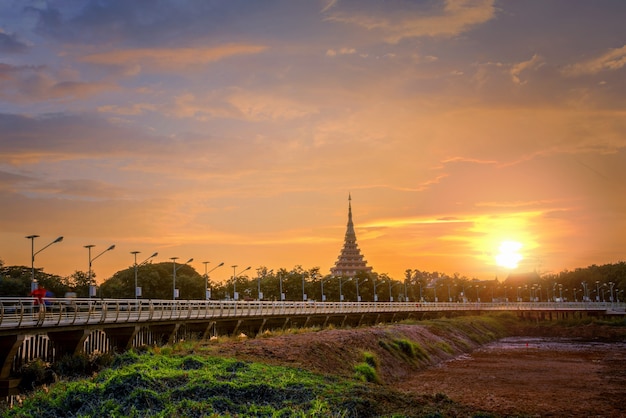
(543, 377)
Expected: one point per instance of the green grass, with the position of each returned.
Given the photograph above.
(368, 370)
(150, 385)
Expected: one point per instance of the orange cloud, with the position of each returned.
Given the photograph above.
(457, 17)
(611, 60)
(170, 58)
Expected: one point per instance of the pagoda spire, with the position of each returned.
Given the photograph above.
(350, 230)
(350, 260)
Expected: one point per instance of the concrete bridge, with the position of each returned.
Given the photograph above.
(55, 327)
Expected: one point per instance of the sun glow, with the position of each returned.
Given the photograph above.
(509, 256)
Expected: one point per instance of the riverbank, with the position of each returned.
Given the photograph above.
(402, 369)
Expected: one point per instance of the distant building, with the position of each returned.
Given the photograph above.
(521, 279)
(350, 260)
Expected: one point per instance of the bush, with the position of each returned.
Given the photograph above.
(82, 364)
(35, 373)
(366, 373)
(370, 358)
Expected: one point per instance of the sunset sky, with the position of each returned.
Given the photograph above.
(233, 131)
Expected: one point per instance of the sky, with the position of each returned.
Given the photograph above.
(234, 131)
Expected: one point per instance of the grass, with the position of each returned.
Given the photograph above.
(405, 348)
(186, 380)
(151, 385)
(367, 370)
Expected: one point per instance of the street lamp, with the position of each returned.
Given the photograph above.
(137, 288)
(303, 294)
(322, 285)
(280, 283)
(92, 287)
(390, 287)
(33, 282)
(235, 295)
(174, 270)
(207, 291)
(376, 294)
(259, 276)
(358, 296)
(340, 288)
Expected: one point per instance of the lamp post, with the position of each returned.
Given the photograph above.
(280, 283)
(322, 285)
(235, 295)
(174, 270)
(137, 288)
(33, 282)
(303, 293)
(259, 293)
(585, 292)
(92, 287)
(358, 296)
(340, 288)
(597, 291)
(376, 294)
(207, 291)
(391, 287)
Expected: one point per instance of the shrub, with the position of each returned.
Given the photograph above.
(366, 373)
(33, 374)
(370, 359)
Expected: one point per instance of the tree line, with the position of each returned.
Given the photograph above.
(156, 280)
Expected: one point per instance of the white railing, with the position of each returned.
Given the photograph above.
(28, 313)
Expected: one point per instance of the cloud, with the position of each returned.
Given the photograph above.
(238, 103)
(535, 62)
(342, 51)
(9, 44)
(456, 17)
(611, 60)
(39, 83)
(170, 59)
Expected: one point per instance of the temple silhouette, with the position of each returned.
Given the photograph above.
(350, 260)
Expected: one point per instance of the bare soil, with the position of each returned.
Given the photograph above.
(571, 380)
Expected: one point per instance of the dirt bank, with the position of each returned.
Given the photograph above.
(533, 382)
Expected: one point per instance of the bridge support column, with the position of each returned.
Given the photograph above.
(68, 342)
(262, 326)
(164, 334)
(207, 331)
(237, 327)
(9, 345)
(121, 338)
(286, 323)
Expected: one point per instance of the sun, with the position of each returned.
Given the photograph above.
(509, 256)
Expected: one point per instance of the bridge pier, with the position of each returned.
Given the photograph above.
(207, 331)
(9, 345)
(237, 327)
(68, 342)
(121, 338)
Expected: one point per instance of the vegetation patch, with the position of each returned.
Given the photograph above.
(159, 386)
(367, 370)
(405, 348)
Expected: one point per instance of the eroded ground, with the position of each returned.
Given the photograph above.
(533, 376)
(549, 372)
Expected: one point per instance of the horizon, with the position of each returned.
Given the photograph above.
(478, 137)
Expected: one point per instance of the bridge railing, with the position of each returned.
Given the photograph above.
(34, 313)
